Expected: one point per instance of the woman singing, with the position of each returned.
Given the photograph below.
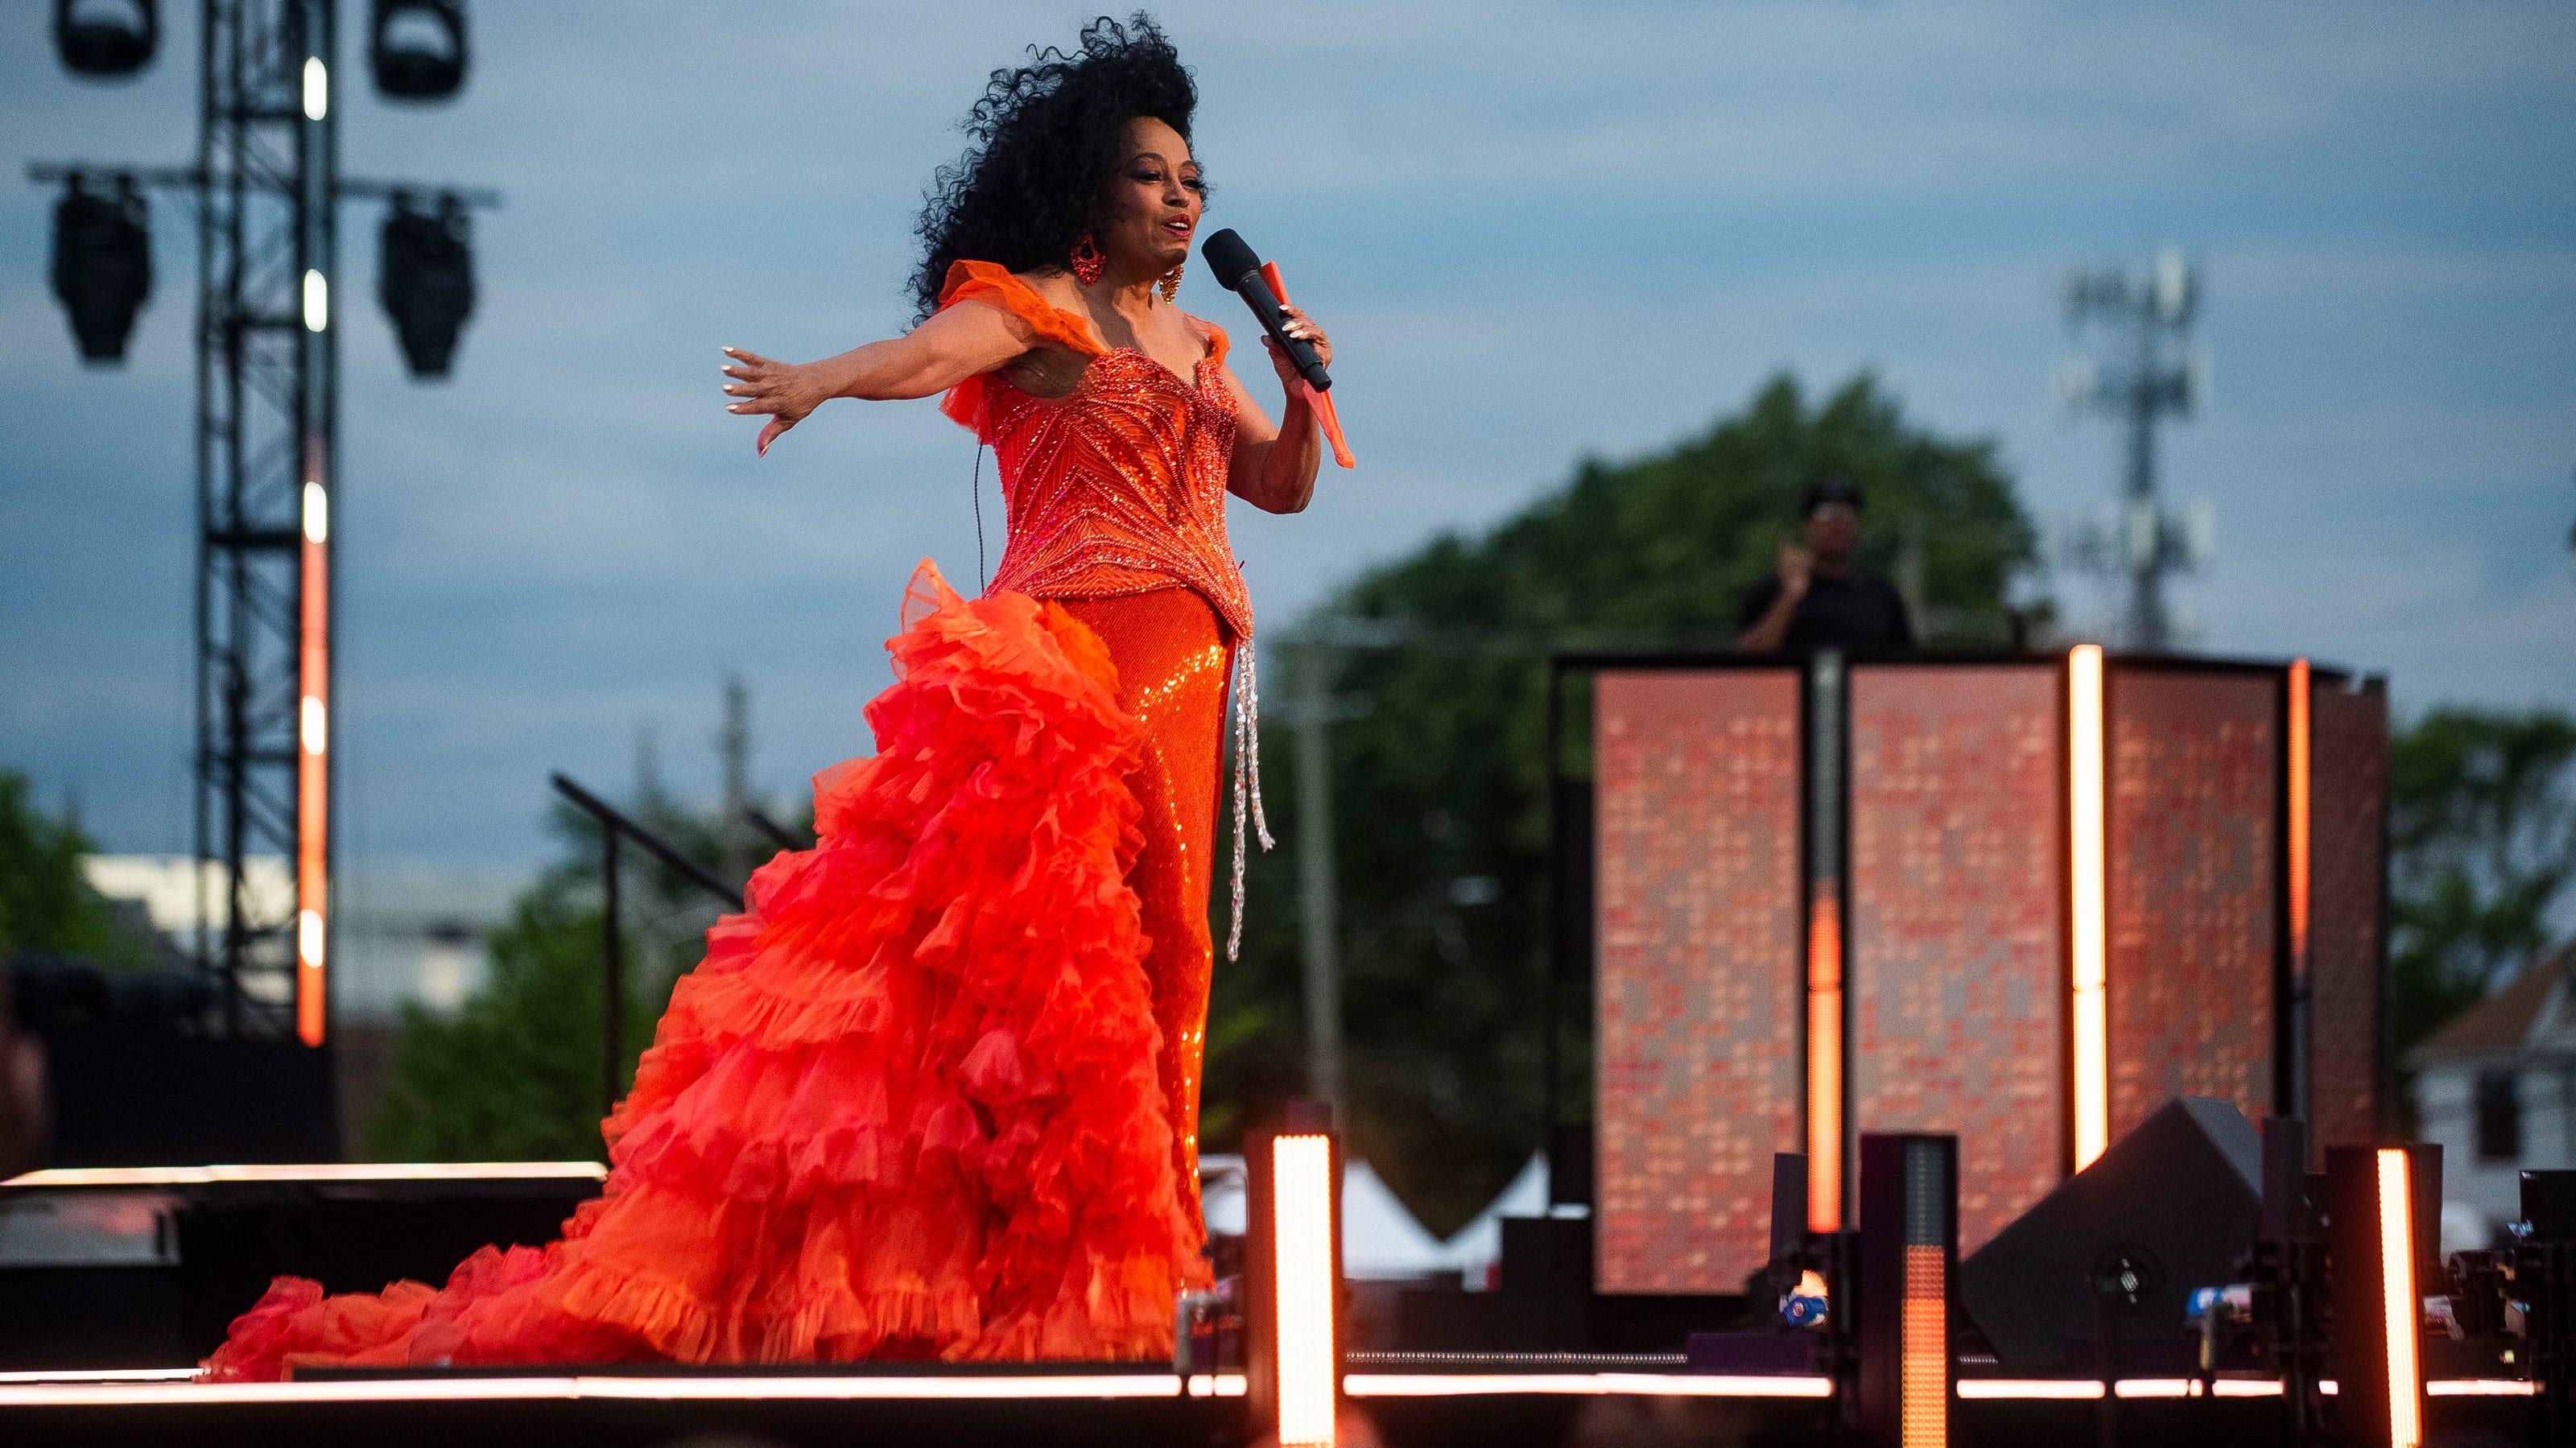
(935, 1094)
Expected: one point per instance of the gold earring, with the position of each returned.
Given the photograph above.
(1171, 285)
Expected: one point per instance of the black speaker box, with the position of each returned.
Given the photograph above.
(2181, 1194)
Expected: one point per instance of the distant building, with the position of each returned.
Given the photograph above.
(2497, 1089)
(408, 931)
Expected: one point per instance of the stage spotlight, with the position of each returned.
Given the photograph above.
(106, 37)
(426, 279)
(102, 266)
(417, 48)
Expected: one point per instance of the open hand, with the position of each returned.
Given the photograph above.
(785, 390)
(1797, 569)
(1303, 328)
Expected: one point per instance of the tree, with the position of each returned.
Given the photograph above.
(2482, 845)
(47, 905)
(515, 1074)
(1438, 792)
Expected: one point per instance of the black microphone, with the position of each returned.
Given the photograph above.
(1239, 271)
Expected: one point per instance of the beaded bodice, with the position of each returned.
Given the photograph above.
(1118, 486)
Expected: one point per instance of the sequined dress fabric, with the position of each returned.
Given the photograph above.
(1173, 661)
(1118, 486)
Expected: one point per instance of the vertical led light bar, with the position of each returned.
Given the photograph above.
(1293, 1278)
(2295, 836)
(1825, 1062)
(1926, 1333)
(316, 247)
(1909, 1195)
(2298, 831)
(2087, 915)
(313, 759)
(2371, 1253)
(1825, 684)
(2398, 1301)
(1302, 1207)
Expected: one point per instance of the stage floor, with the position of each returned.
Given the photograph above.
(952, 1407)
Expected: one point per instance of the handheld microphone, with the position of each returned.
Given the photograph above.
(1239, 271)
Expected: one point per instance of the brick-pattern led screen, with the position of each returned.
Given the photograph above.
(1958, 901)
(1699, 976)
(2349, 768)
(2193, 791)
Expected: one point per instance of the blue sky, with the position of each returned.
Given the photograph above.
(1536, 231)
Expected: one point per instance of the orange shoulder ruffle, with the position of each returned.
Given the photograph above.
(1216, 338)
(994, 286)
(908, 1105)
(968, 403)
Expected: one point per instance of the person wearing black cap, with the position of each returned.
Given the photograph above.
(1820, 599)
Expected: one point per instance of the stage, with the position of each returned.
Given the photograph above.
(1454, 1401)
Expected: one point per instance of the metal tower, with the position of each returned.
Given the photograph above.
(2154, 372)
(266, 185)
(267, 457)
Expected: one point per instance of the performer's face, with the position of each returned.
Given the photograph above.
(1154, 201)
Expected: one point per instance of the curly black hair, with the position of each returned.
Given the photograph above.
(1049, 136)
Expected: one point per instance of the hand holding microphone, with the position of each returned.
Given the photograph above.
(1292, 336)
(1239, 271)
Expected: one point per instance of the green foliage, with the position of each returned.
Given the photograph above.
(2482, 843)
(515, 1074)
(46, 904)
(1438, 792)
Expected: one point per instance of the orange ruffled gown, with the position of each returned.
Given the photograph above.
(934, 1094)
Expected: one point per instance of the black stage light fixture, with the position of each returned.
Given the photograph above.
(102, 266)
(106, 37)
(417, 48)
(425, 278)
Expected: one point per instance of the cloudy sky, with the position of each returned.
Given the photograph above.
(1537, 232)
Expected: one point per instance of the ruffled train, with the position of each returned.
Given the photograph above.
(907, 1106)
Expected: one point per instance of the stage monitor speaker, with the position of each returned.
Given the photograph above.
(2183, 1191)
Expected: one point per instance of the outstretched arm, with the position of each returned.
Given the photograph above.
(952, 346)
(1273, 468)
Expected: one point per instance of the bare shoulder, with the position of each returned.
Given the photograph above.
(1057, 287)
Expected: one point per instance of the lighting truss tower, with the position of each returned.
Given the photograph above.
(266, 185)
(2154, 372)
(267, 459)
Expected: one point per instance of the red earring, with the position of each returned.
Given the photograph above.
(1087, 261)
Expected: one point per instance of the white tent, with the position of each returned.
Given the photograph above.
(1380, 1239)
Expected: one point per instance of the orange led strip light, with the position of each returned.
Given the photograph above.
(2088, 937)
(1824, 1061)
(1923, 1347)
(2399, 1305)
(2299, 792)
(312, 758)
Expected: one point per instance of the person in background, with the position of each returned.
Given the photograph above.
(22, 1092)
(1820, 599)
